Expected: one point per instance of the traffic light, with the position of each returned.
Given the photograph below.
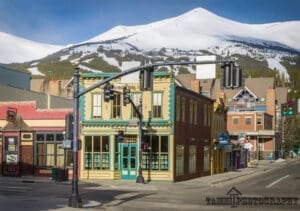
(290, 109)
(120, 136)
(108, 92)
(146, 79)
(69, 126)
(126, 96)
(283, 109)
(232, 75)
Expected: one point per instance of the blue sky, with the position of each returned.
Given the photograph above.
(71, 21)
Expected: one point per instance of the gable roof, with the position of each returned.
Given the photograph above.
(242, 90)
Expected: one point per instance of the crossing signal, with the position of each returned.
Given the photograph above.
(108, 92)
(146, 79)
(232, 75)
(126, 96)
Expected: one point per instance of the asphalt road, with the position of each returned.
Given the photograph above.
(276, 189)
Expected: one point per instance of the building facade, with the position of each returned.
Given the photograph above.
(253, 117)
(31, 141)
(175, 124)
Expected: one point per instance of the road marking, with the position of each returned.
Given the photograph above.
(276, 181)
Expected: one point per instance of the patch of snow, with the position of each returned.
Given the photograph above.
(274, 63)
(110, 60)
(279, 160)
(35, 71)
(34, 64)
(88, 60)
(64, 57)
(89, 69)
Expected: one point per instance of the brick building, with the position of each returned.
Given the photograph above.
(253, 116)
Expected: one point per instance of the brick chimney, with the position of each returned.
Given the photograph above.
(195, 85)
(270, 104)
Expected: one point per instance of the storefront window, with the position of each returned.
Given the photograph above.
(96, 154)
(49, 151)
(206, 158)
(158, 154)
(192, 159)
(179, 160)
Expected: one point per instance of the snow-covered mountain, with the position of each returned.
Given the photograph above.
(201, 29)
(16, 49)
(197, 32)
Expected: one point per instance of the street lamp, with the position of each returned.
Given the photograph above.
(75, 200)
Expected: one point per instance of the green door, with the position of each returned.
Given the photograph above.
(128, 160)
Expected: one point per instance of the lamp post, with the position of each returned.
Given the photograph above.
(140, 178)
(75, 200)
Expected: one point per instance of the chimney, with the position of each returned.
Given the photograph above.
(195, 85)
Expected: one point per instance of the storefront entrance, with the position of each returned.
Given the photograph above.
(128, 160)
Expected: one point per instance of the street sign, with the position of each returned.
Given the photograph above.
(67, 144)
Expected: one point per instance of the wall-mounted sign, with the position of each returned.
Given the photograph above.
(11, 158)
(11, 114)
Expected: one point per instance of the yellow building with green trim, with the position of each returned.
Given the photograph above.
(166, 156)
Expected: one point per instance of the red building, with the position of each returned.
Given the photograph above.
(31, 139)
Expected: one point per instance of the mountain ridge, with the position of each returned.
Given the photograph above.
(194, 33)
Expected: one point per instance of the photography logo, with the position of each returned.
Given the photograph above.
(234, 198)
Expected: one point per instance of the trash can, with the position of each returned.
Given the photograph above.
(54, 173)
(62, 175)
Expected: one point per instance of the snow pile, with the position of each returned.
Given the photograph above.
(279, 160)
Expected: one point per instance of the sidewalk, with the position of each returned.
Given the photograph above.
(205, 181)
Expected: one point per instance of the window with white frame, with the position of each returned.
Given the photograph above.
(97, 105)
(248, 120)
(157, 105)
(235, 120)
(259, 120)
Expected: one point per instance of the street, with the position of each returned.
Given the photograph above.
(270, 188)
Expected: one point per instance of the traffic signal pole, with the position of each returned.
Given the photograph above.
(75, 200)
